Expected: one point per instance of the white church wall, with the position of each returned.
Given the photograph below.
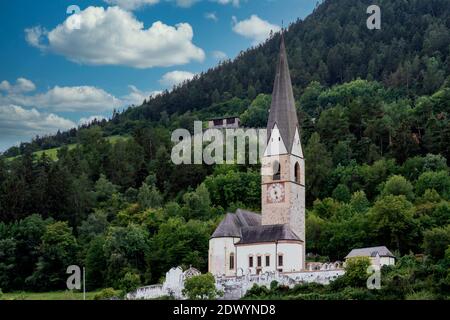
(276, 144)
(297, 149)
(292, 256)
(255, 250)
(219, 253)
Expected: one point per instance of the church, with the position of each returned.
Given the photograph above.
(252, 243)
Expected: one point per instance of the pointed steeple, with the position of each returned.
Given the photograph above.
(282, 111)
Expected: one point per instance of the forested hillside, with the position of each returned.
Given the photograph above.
(374, 110)
(331, 46)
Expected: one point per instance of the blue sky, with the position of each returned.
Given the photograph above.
(59, 69)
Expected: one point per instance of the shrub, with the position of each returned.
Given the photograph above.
(202, 287)
(258, 291)
(107, 294)
(436, 242)
(355, 274)
(308, 287)
(357, 294)
(273, 285)
(130, 282)
(421, 295)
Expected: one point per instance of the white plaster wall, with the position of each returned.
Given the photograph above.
(297, 146)
(244, 251)
(276, 144)
(381, 261)
(387, 261)
(219, 251)
(292, 256)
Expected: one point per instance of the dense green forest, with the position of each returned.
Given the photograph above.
(374, 110)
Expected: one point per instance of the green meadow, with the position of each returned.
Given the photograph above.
(53, 153)
(55, 295)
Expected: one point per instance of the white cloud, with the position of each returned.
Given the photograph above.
(24, 115)
(211, 16)
(219, 55)
(70, 99)
(174, 78)
(19, 123)
(67, 99)
(5, 86)
(82, 98)
(35, 36)
(233, 2)
(114, 36)
(186, 3)
(131, 4)
(254, 28)
(137, 97)
(137, 4)
(22, 85)
(91, 119)
(189, 3)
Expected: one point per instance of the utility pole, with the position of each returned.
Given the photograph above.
(84, 283)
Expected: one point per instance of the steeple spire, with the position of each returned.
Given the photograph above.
(282, 111)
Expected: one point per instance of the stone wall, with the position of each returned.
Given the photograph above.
(172, 287)
(147, 293)
(236, 287)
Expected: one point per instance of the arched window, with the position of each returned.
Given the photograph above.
(232, 261)
(297, 173)
(276, 170)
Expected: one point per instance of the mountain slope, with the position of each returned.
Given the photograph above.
(332, 45)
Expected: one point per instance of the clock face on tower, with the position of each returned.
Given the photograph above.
(275, 193)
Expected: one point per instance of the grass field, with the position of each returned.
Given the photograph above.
(57, 295)
(53, 153)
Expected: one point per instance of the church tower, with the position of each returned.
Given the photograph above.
(283, 165)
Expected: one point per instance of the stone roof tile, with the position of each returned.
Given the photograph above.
(382, 251)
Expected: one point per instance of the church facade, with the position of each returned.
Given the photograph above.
(252, 243)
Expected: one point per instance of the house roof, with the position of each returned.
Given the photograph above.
(270, 233)
(223, 118)
(370, 252)
(282, 110)
(232, 224)
(247, 226)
